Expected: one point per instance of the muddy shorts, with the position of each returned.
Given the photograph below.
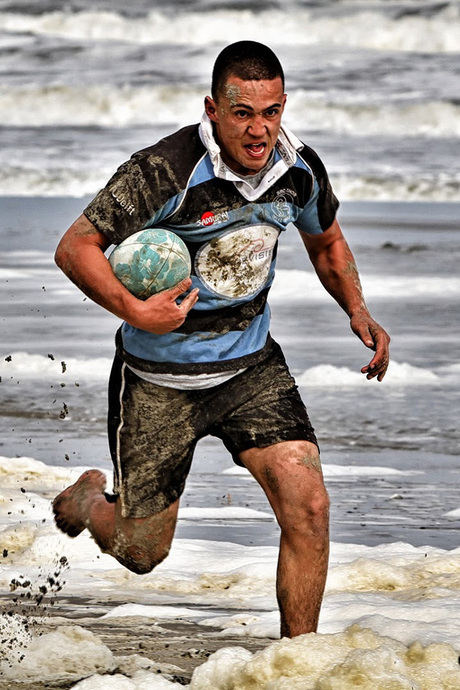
(153, 430)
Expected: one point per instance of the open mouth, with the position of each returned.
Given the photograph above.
(256, 150)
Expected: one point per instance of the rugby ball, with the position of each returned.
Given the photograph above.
(150, 261)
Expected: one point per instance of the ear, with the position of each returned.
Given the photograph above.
(283, 103)
(210, 107)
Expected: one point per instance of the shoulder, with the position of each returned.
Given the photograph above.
(176, 154)
(321, 204)
(306, 156)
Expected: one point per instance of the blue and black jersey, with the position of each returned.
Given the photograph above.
(232, 241)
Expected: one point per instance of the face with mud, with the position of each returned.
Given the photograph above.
(247, 120)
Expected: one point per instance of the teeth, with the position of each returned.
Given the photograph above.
(257, 148)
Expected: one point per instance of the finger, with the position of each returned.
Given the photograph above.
(381, 343)
(382, 374)
(189, 301)
(377, 374)
(368, 339)
(364, 333)
(374, 374)
(373, 364)
(180, 288)
(376, 368)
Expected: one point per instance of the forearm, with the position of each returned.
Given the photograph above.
(338, 273)
(80, 255)
(335, 265)
(336, 268)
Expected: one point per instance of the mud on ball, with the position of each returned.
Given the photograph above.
(150, 261)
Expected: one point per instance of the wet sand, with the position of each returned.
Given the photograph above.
(365, 509)
(169, 647)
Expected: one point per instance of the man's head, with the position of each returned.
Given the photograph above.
(248, 60)
(246, 105)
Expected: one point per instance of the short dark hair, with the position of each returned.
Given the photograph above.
(248, 60)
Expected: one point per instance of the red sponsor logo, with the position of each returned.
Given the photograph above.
(207, 218)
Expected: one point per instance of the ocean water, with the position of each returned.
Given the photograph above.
(373, 87)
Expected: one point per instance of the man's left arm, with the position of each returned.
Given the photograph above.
(336, 268)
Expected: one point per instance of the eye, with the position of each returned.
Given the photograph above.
(241, 113)
(273, 112)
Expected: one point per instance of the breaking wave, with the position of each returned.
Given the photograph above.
(109, 106)
(398, 374)
(29, 366)
(296, 284)
(40, 181)
(432, 32)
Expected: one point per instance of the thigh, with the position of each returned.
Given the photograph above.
(152, 437)
(267, 409)
(290, 474)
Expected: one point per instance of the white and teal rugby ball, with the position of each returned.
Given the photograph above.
(150, 261)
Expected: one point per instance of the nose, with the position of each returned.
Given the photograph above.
(257, 126)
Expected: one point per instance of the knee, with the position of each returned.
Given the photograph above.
(318, 508)
(140, 560)
(306, 514)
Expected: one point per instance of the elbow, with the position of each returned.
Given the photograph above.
(59, 259)
(62, 257)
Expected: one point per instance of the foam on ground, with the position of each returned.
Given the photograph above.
(354, 658)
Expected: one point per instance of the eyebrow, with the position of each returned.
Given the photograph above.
(248, 107)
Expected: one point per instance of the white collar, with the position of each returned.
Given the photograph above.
(287, 146)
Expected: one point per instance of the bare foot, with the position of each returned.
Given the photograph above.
(71, 507)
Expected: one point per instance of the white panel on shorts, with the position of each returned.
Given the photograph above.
(186, 381)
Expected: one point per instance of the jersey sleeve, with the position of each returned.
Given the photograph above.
(148, 187)
(124, 205)
(320, 208)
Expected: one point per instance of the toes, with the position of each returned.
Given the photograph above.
(69, 529)
(67, 506)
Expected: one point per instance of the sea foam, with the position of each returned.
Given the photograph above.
(411, 591)
(24, 365)
(398, 374)
(181, 104)
(365, 29)
(337, 662)
(300, 285)
(69, 653)
(54, 180)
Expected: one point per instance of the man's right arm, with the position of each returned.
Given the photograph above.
(80, 255)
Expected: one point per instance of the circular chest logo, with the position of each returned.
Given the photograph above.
(282, 205)
(237, 263)
(207, 218)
